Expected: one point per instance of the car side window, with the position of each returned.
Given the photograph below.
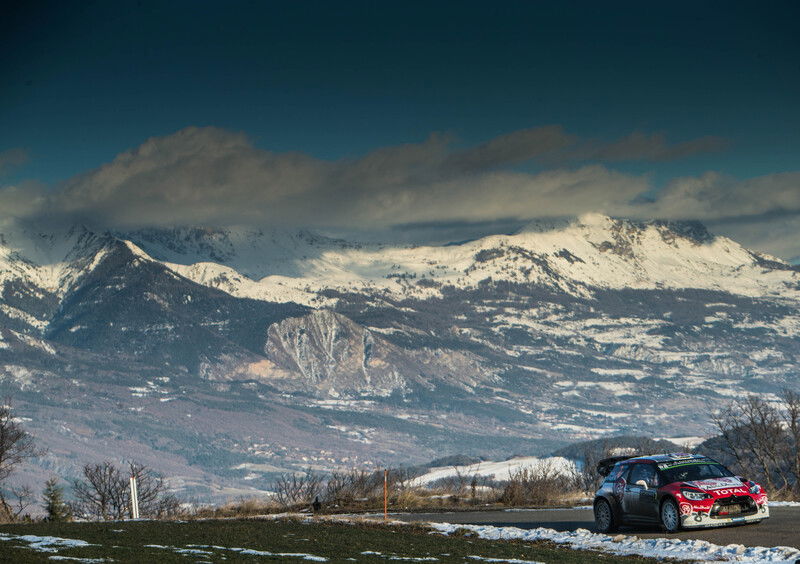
(646, 472)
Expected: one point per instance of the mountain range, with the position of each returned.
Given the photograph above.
(224, 356)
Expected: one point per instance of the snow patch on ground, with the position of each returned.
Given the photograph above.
(76, 559)
(207, 550)
(401, 558)
(624, 545)
(506, 560)
(45, 544)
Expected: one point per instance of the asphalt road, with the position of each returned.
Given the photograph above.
(781, 529)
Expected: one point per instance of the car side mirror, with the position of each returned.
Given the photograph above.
(641, 483)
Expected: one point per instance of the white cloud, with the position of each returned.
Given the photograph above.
(652, 147)
(21, 200)
(776, 235)
(210, 176)
(716, 196)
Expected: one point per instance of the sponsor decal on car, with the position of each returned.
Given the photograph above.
(619, 488)
(731, 483)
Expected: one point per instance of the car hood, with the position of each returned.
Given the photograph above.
(720, 486)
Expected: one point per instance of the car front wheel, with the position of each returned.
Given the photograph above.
(670, 516)
(604, 517)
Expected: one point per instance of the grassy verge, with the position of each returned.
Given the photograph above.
(283, 540)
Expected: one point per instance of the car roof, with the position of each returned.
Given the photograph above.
(604, 466)
(671, 457)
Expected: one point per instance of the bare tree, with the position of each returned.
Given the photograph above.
(587, 479)
(104, 492)
(761, 440)
(101, 494)
(13, 507)
(16, 446)
(150, 489)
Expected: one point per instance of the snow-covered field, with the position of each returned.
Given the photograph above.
(581, 539)
(498, 470)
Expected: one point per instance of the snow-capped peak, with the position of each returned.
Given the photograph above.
(592, 251)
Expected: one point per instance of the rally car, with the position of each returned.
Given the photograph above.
(676, 490)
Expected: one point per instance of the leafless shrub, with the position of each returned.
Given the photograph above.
(345, 488)
(534, 485)
(241, 507)
(297, 488)
(762, 441)
(401, 478)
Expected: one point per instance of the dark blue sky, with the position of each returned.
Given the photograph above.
(85, 81)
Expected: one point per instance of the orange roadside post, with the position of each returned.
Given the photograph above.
(385, 494)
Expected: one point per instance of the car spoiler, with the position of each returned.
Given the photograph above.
(604, 466)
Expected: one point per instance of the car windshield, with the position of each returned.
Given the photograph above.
(691, 471)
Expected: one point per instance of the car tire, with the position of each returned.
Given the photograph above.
(604, 519)
(670, 516)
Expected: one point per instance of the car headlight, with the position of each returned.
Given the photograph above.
(755, 489)
(695, 495)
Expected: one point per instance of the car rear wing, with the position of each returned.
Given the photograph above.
(604, 466)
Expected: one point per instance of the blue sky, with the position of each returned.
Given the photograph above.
(626, 83)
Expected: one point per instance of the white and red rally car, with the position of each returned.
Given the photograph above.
(675, 490)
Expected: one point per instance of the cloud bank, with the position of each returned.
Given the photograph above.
(214, 177)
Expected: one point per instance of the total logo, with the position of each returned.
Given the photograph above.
(732, 491)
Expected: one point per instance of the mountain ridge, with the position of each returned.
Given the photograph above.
(379, 353)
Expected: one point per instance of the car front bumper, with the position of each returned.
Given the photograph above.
(704, 519)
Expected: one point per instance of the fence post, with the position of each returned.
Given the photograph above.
(134, 499)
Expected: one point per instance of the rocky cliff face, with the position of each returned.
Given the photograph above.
(329, 355)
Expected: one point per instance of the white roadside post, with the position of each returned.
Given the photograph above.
(134, 499)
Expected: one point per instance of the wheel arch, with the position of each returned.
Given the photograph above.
(668, 495)
(609, 499)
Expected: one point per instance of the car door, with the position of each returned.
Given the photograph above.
(640, 499)
(631, 492)
(648, 497)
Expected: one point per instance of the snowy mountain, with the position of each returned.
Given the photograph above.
(594, 251)
(224, 356)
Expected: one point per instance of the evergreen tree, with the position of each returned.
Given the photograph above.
(53, 497)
